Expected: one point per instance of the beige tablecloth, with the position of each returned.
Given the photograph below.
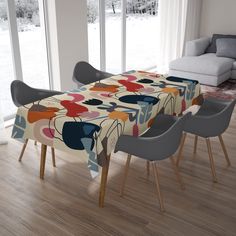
(88, 121)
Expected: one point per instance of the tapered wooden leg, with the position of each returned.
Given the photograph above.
(195, 144)
(224, 149)
(148, 168)
(53, 157)
(213, 171)
(23, 149)
(156, 176)
(179, 156)
(103, 182)
(178, 176)
(35, 142)
(125, 175)
(43, 160)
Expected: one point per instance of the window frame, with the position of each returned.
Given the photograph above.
(15, 43)
(102, 32)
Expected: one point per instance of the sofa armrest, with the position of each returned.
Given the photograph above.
(197, 47)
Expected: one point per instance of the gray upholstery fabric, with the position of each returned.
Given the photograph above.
(23, 94)
(212, 119)
(212, 46)
(84, 73)
(206, 68)
(207, 64)
(196, 47)
(157, 143)
(226, 48)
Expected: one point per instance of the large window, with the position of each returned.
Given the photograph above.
(23, 53)
(126, 38)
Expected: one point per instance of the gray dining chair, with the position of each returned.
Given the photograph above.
(211, 120)
(23, 94)
(84, 74)
(160, 142)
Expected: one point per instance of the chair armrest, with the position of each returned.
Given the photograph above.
(196, 47)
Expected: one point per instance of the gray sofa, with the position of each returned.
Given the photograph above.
(198, 64)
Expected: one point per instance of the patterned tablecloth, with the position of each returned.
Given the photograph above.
(88, 121)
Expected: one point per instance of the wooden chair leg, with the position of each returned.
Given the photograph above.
(23, 149)
(53, 157)
(195, 144)
(125, 175)
(148, 168)
(178, 176)
(43, 160)
(35, 142)
(103, 183)
(224, 150)
(213, 171)
(156, 176)
(179, 156)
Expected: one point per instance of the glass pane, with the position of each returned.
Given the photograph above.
(141, 33)
(93, 32)
(6, 65)
(113, 36)
(30, 22)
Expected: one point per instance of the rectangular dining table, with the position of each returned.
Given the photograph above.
(88, 121)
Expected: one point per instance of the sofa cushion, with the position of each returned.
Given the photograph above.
(208, 64)
(201, 78)
(226, 48)
(212, 47)
(196, 47)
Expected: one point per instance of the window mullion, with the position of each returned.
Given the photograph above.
(102, 26)
(43, 10)
(15, 46)
(123, 35)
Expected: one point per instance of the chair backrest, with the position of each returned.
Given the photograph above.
(166, 145)
(219, 122)
(23, 94)
(157, 147)
(213, 124)
(84, 73)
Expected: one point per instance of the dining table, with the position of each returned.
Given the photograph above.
(88, 121)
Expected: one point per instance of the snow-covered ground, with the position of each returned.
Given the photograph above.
(34, 64)
(141, 52)
(141, 46)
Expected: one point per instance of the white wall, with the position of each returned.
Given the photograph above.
(218, 16)
(67, 26)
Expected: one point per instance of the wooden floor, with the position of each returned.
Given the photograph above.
(65, 203)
